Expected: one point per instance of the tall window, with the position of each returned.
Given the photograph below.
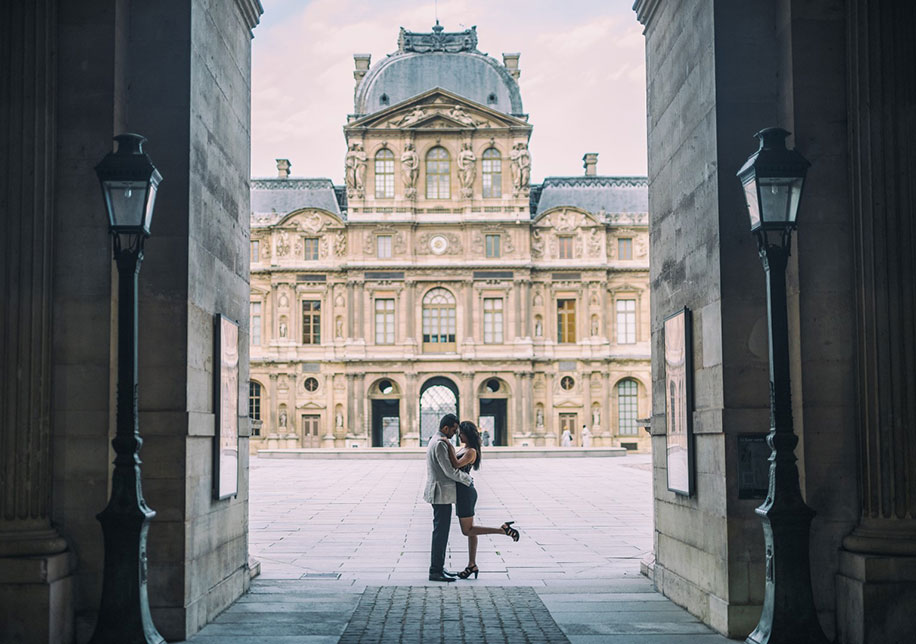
(493, 320)
(565, 246)
(311, 322)
(627, 407)
(384, 174)
(492, 243)
(256, 324)
(437, 174)
(626, 321)
(492, 173)
(439, 320)
(254, 400)
(255, 251)
(566, 320)
(311, 248)
(383, 246)
(625, 248)
(384, 321)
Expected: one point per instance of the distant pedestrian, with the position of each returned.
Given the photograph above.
(485, 438)
(566, 438)
(586, 437)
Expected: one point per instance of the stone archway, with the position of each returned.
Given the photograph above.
(438, 396)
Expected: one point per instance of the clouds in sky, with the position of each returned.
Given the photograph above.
(582, 61)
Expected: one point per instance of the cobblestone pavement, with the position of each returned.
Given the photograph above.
(328, 531)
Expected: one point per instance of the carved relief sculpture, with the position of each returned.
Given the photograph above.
(414, 116)
(537, 243)
(594, 243)
(467, 169)
(596, 416)
(410, 170)
(355, 171)
(283, 245)
(539, 417)
(457, 113)
(521, 169)
(340, 243)
(338, 327)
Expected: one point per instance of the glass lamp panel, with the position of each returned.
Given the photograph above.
(127, 207)
(779, 199)
(753, 206)
(150, 204)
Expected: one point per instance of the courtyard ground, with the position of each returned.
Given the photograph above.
(344, 552)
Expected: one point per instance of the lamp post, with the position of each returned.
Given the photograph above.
(773, 178)
(129, 183)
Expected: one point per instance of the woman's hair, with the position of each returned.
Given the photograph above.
(469, 429)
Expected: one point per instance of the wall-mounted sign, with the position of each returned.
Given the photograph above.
(753, 466)
(679, 402)
(226, 408)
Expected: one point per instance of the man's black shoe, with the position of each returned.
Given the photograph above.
(440, 577)
(449, 573)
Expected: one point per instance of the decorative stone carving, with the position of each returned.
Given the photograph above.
(311, 223)
(282, 418)
(283, 245)
(642, 247)
(340, 243)
(355, 171)
(539, 417)
(438, 40)
(338, 327)
(284, 327)
(410, 170)
(595, 325)
(596, 416)
(425, 245)
(521, 169)
(284, 301)
(594, 242)
(299, 247)
(323, 247)
(565, 221)
(537, 243)
(415, 115)
(538, 326)
(457, 113)
(398, 242)
(467, 169)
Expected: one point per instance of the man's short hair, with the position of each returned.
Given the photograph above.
(448, 421)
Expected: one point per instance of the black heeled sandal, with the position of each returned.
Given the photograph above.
(510, 531)
(467, 572)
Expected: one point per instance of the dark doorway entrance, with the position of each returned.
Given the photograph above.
(438, 396)
(386, 423)
(493, 419)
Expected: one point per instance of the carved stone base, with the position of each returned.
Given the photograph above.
(42, 540)
(875, 595)
(36, 604)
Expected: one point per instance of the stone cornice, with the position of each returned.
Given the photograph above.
(596, 182)
(291, 184)
(645, 11)
(251, 11)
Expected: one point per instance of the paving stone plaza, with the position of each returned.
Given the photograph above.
(344, 552)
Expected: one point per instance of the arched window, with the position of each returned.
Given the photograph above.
(438, 172)
(384, 174)
(627, 407)
(254, 400)
(438, 321)
(492, 173)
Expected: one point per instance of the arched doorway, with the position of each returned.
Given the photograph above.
(438, 396)
(493, 416)
(385, 397)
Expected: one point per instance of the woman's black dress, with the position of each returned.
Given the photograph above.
(466, 497)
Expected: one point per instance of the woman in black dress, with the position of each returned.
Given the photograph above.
(467, 457)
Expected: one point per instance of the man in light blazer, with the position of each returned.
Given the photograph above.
(440, 492)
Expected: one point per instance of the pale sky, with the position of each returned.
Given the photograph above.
(583, 79)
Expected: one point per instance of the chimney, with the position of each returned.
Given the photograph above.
(283, 166)
(362, 66)
(511, 63)
(590, 163)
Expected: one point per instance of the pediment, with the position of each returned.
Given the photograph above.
(568, 404)
(566, 219)
(437, 109)
(309, 405)
(309, 220)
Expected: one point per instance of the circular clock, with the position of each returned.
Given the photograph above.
(438, 244)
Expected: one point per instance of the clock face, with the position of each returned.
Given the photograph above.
(438, 244)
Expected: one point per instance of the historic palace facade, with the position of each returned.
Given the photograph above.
(440, 279)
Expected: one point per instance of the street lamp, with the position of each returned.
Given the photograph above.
(129, 183)
(773, 178)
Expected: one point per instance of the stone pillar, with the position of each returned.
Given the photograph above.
(586, 404)
(466, 397)
(351, 310)
(605, 436)
(362, 427)
(35, 582)
(411, 431)
(293, 429)
(352, 424)
(411, 312)
(877, 575)
(468, 288)
(552, 439)
(273, 416)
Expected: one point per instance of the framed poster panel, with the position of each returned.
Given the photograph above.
(679, 402)
(225, 407)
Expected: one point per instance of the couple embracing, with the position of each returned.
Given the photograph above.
(448, 482)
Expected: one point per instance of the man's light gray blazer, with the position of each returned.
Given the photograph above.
(440, 475)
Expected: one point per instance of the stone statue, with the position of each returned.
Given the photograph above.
(467, 170)
(282, 418)
(594, 325)
(537, 243)
(339, 420)
(414, 116)
(539, 418)
(538, 327)
(283, 328)
(355, 170)
(521, 168)
(339, 327)
(340, 244)
(410, 170)
(362, 160)
(283, 245)
(457, 113)
(596, 416)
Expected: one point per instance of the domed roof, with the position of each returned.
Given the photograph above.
(447, 60)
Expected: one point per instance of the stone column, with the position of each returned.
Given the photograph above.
(293, 428)
(586, 404)
(362, 427)
(466, 397)
(34, 568)
(351, 308)
(552, 440)
(879, 560)
(411, 312)
(468, 288)
(272, 428)
(411, 401)
(605, 439)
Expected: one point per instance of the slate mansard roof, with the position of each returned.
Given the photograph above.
(438, 59)
(273, 198)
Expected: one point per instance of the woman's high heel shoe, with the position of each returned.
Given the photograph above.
(467, 572)
(510, 531)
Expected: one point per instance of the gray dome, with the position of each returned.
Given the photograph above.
(467, 73)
